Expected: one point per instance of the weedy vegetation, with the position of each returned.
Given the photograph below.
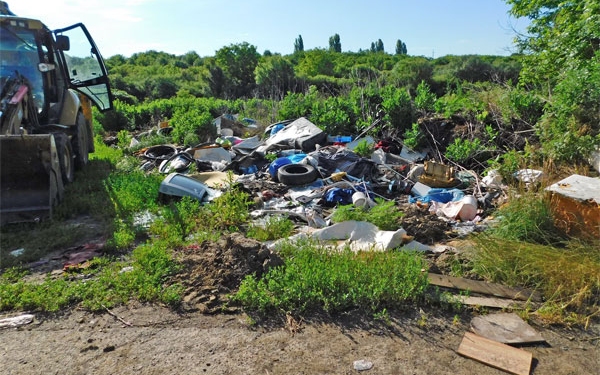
(315, 278)
(526, 249)
(385, 214)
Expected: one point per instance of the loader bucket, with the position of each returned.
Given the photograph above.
(30, 177)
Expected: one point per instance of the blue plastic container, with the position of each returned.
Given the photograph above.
(276, 164)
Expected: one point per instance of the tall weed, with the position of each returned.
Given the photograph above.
(568, 277)
(528, 218)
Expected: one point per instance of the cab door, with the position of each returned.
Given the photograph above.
(84, 65)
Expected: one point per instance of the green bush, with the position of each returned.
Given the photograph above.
(413, 137)
(462, 149)
(194, 121)
(334, 115)
(397, 106)
(385, 214)
(314, 278)
(274, 228)
(425, 99)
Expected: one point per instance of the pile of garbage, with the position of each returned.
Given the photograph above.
(294, 168)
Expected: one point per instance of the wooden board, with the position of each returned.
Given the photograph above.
(507, 328)
(495, 354)
(499, 303)
(483, 287)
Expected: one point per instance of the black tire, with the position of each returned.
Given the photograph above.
(296, 174)
(65, 157)
(80, 143)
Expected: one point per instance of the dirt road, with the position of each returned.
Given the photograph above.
(160, 341)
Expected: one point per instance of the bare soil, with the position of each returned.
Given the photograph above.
(206, 336)
(161, 341)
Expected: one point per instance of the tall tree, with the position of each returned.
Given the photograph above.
(298, 44)
(379, 46)
(238, 62)
(400, 48)
(274, 76)
(334, 43)
(563, 58)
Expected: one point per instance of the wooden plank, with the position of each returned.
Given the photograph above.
(483, 287)
(498, 303)
(495, 354)
(507, 328)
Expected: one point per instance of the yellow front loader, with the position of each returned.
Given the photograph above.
(46, 92)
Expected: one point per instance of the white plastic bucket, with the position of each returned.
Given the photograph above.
(468, 211)
(359, 199)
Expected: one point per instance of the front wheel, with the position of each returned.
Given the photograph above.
(65, 158)
(80, 143)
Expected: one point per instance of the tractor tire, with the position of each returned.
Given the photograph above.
(65, 157)
(296, 174)
(80, 143)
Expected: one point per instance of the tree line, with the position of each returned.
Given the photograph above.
(551, 88)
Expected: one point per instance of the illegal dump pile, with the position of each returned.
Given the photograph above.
(328, 184)
(300, 171)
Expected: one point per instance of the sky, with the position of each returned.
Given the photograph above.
(430, 28)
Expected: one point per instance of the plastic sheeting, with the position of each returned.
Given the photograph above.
(362, 236)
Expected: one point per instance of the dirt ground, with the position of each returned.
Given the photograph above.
(160, 341)
(205, 337)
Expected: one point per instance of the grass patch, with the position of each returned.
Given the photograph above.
(272, 228)
(525, 249)
(316, 278)
(568, 277)
(527, 218)
(385, 215)
(188, 220)
(104, 284)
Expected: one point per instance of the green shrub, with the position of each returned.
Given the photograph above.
(364, 149)
(314, 278)
(413, 136)
(275, 227)
(425, 99)
(385, 214)
(462, 149)
(192, 121)
(397, 106)
(334, 115)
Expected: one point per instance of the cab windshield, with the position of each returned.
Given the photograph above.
(19, 56)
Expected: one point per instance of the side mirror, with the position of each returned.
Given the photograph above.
(62, 42)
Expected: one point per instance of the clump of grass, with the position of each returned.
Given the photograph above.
(230, 210)
(316, 278)
(105, 285)
(527, 217)
(273, 228)
(568, 277)
(364, 148)
(188, 219)
(385, 215)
